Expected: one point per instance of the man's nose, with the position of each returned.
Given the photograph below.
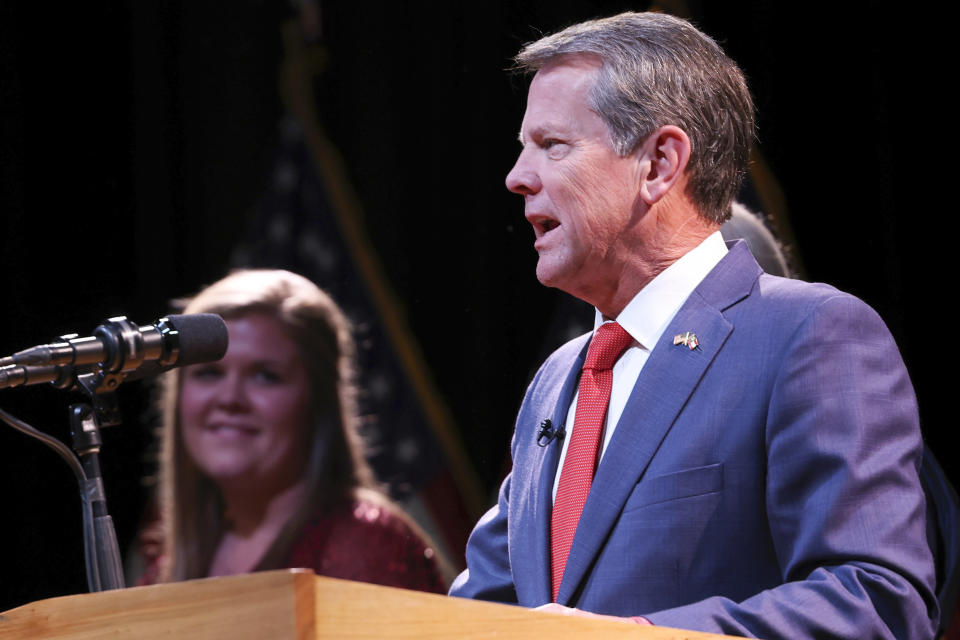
(523, 178)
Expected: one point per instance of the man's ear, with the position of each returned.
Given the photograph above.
(665, 152)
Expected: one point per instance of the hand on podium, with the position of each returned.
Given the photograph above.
(553, 607)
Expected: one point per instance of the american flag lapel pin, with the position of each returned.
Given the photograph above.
(687, 339)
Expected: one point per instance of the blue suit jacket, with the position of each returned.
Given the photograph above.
(762, 484)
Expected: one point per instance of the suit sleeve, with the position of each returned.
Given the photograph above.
(488, 575)
(844, 503)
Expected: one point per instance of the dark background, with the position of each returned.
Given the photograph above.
(136, 140)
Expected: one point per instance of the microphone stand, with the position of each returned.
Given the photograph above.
(121, 350)
(85, 421)
(101, 551)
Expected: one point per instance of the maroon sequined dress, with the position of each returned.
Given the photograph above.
(358, 540)
(364, 541)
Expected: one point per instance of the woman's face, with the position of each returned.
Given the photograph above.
(244, 418)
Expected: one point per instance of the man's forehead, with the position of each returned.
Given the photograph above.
(555, 88)
(566, 73)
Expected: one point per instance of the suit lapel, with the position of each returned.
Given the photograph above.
(668, 378)
(545, 468)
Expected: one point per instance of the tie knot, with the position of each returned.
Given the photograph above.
(608, 343)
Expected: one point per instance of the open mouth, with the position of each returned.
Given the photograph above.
(542, 224)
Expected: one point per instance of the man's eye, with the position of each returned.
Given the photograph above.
(555, 148)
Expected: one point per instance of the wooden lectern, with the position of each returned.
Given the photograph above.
(295, 604)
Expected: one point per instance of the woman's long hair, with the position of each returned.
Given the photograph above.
(192, 507)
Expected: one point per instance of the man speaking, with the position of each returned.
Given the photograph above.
(728, 451)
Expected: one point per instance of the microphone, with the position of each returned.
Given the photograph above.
(548, 434)
(120, 346)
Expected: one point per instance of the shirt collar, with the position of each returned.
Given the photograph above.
(647, 315)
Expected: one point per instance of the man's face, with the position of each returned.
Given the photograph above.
(581, 198)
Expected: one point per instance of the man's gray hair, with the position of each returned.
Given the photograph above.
(660, 70)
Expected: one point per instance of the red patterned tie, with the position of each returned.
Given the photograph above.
(580, 464)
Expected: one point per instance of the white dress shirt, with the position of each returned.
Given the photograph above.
(645, 318)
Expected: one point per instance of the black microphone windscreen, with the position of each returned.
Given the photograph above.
(203, 337)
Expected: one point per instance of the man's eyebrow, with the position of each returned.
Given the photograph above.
(545, 130)
(535, 133)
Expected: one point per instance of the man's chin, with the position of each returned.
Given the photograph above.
(547, 277)
(554, 275)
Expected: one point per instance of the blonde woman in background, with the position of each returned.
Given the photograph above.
(262, 466)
